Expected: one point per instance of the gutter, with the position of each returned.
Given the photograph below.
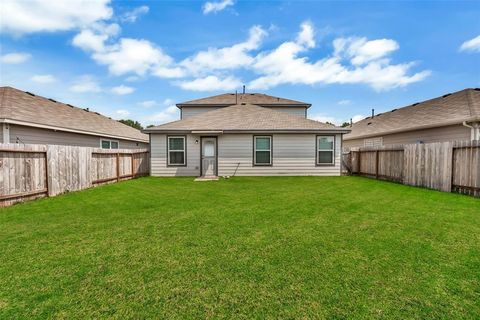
(200, 131)
(475, 130)
(429, 126)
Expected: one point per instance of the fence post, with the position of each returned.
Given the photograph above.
(118, 166)
(133, 170)
(376, 164)
(46, 173)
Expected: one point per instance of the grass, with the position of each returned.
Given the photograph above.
(247, 248)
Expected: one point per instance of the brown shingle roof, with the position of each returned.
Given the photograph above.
(229, 99)
(442, 111)
(26, 107)
(244, 118)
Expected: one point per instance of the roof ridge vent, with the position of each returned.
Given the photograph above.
(68, 104)
(446, 95)
(415, 104)
(86, 109)
(476, 89)
(53, 100)
(32, 94)
(394, 110)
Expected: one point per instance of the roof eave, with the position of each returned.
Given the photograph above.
(49, 127)
(430, 126)
(220, 105)
(193, 131)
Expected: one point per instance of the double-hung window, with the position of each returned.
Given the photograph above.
(176, 151)
(325, 150)
(108, 144)
(262, 150)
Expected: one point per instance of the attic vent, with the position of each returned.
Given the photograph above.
(243, 103)
(477, 89)
(232, 94)
(252, 94)
(52, 100)
(30, 93)
(70, 105)
(446, 95)
(86, 109)
(394, 110)
(415, 103)
(378, 114)
(369, 123)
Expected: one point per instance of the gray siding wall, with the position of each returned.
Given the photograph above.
(296, 111)
(293, 154)
(31, 135)
(188, 112)
(440, 134)
(192, 111)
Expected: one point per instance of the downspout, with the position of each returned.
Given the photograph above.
(475, 130)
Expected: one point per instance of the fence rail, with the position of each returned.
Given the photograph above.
(445, 166)
(33, 171)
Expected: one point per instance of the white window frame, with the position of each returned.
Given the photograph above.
(317, 156)
(109, 144)
(184, 150)
(255, 151)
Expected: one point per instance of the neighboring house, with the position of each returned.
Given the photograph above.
(451, 117)
(30, 119)
(245, 134)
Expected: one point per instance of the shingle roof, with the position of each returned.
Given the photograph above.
(446, 110)
(26, 107)
(228, 99)
(246, 117)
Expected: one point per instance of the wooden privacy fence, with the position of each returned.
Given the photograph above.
(33, 171)
(444, 166)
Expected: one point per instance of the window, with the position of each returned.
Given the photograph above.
(176, 151)
(262, 150)
(325, 150)
(108, 144)
(374, 142)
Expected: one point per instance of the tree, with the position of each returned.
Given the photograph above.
(150, 126)
(345, 124)
(131, 123)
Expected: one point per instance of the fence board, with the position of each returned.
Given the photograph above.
(32, 171)
(445, 166)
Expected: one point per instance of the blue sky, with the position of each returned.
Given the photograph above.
(137, 59)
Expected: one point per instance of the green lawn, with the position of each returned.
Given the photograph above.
(339, 247)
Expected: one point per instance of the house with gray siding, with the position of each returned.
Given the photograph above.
(451, 117)
(26, 118)
(248, 134)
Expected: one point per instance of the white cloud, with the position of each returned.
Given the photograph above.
(43, 78)
(85, 84)
(15, 57)
(345, 102)
(93, 38)
(122, 90)
(210, 83)
(147, 103)
(369, 64)
(215, 7)
(123, 112)
(168, 114)
(132, 56)
(306, 37)
(472, 45)
(358, 117)
(168, 102)
(48, 16)
(361, 51)
(228, 57)
(132, 16)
